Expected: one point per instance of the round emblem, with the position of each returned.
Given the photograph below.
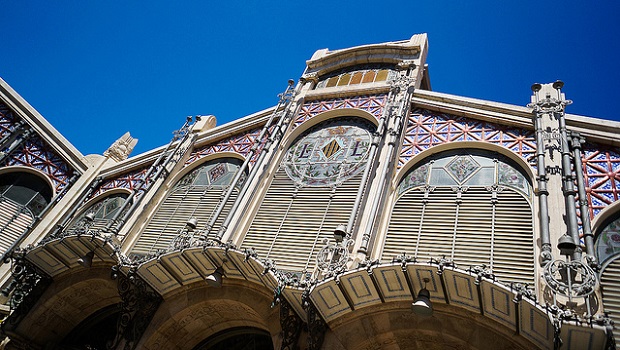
(329, 153)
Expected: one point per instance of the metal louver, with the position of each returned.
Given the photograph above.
(610, 284)
(14, 220)
(181, 204)
(291, 223)
(471, 231)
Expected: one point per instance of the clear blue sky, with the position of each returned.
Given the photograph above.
(97, 69)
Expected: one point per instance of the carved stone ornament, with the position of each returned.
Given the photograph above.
(121, 148)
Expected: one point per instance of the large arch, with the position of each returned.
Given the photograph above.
(393, 326)
(190, 317)
(71, 298)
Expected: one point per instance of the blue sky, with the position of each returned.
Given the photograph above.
(97, 69)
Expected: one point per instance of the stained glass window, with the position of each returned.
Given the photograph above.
(329, 153)
(358, 75)
(472, 168)
(608, 241)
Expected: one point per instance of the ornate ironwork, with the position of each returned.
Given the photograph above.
(316, 327)
(139, 304)
(25, 289)
(291, 325)
(481, 271)
(572, 279)
(333, 257)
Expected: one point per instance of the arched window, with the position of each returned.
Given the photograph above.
(358, 75)
(312, 192)
(98, 215)
(196, 195)
(608, 251)
(467, 205)
(23, 196)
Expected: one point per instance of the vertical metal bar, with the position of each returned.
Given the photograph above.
(284, 103)
(576, 141)
(543, 193)
(114, 223)
(393, 135)
(376, 138)
(567, 175)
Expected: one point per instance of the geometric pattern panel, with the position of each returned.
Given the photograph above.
(601, 170)
(372, 104)
(497, 303)
(240, 144)
(8, 121)
(36, 153)
(128, 180)
(426, 129)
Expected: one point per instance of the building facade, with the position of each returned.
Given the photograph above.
(363, 211)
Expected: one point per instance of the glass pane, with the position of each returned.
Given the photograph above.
(332, 81)
(608, 242)
(369, 77)
(382, 75)
(344, 79)
(357, 78)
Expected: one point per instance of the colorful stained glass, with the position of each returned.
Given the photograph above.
(218, 172)
(415, 178)
(608, 242)
(466, 168)
(462, 167)
(357, 75)
(329, 153)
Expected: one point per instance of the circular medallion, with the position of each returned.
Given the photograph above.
(329, 153)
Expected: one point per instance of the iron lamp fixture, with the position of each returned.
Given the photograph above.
(422, 305)
(340, 233)
(90, 217)
(192, 223)
(87, 259)
(215, 279)
(566, 245)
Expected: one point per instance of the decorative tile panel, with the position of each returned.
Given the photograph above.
(360, 288)
(240, 143)
(462, 290)
(129, 180)
(36, 153)
(426, 129)
(601, 170)
(371, 104)
(534, 324)
(392, 283)
(8, 121)
(497, 304)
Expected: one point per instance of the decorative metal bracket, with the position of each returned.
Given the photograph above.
(291, 325)
(25, 289)
(139, 304)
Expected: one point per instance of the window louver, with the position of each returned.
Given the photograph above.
(610, 283)
(291, 224)
(499, 237)
(14, 219)
(196, 195)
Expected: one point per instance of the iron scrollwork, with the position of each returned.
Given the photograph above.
(139, 304)
(25, 290)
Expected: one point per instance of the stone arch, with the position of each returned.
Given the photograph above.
(392, 326)
(72, 297)
(188, 318)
